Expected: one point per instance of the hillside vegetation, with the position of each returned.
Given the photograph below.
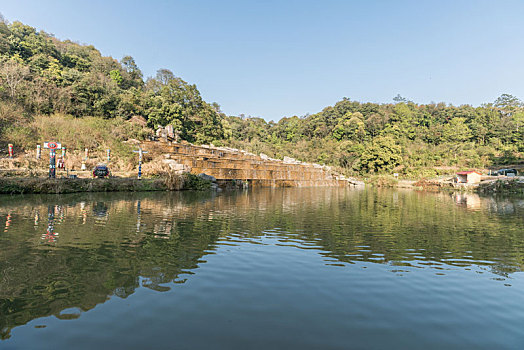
(405, 137)
(51, 88)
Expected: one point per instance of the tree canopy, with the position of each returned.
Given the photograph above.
(44, 75)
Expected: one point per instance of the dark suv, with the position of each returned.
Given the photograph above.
(505, 172)
(101, 171)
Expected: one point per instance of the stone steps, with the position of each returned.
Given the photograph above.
(229, 164)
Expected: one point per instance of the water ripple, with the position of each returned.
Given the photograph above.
(312, 268)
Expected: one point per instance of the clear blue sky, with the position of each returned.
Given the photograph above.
(284, 58)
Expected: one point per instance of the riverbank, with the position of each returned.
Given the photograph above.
(509, 185)
(187, 181)
(513, 185)
(23, 185)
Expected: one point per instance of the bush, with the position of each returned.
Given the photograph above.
(383, 181)
(194, 182)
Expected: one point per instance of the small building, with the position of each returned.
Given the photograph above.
(468, 177)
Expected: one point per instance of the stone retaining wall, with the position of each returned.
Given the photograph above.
(232, 164)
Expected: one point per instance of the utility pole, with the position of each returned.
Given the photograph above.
(52, 164)
(140, 157)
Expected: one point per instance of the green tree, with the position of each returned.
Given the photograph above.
(116, 76)
(383, 154)
(508, 103)
(456, 131)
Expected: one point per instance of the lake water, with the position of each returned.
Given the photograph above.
(316, 268)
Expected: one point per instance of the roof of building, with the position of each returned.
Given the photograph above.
(468, 172)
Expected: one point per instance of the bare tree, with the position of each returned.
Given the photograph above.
(164, 76)
(13, 73)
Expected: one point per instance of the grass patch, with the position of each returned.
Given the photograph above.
(76, 134)
(382, 181)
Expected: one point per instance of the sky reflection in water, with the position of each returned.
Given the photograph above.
(300, 268)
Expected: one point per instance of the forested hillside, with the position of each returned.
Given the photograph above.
(54, 87)
(404, 136)
(42, 75)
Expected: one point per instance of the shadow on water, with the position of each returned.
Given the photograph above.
(71, 252)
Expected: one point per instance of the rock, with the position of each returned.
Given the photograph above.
(170, 131)
(289, 160)
(179, 168)
(207, 177)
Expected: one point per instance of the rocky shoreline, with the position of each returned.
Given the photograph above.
(503, 184)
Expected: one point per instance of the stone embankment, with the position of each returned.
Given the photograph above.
(503, 185)
(229, 164)
(488, 184)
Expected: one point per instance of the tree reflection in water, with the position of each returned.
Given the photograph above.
(112, 244)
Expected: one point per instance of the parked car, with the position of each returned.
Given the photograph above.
(101, 171)
(507, 172)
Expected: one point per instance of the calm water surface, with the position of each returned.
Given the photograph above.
(280, 269)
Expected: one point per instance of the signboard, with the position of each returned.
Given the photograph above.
(52, 145)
